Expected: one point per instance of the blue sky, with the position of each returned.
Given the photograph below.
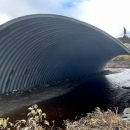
(108, 15)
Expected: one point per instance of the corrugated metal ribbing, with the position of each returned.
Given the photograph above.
(41, 49)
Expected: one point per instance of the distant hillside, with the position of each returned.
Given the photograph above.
(122, 61)
(124, 39)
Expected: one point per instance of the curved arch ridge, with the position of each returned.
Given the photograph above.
(44, 48)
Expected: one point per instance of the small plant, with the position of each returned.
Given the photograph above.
(3, 123)
(36, 120)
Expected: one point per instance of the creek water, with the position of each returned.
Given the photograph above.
(99, 91)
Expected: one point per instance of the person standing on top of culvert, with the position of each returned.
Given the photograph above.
(124, 31)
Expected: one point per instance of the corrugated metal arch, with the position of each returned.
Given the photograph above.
(44, 48)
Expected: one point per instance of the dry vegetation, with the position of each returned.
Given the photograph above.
(122, 61)
(97, 120)
(36, 120)
(122, 58)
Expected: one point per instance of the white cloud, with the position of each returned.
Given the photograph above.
(4, 18)
(108, 15)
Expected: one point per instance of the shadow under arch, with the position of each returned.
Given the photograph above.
(46, 48)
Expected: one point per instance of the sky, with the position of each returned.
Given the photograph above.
(109, 15)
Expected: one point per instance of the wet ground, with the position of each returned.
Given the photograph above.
(72, 100)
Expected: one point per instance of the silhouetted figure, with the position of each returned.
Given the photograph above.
(124, 31)
(125, 37)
